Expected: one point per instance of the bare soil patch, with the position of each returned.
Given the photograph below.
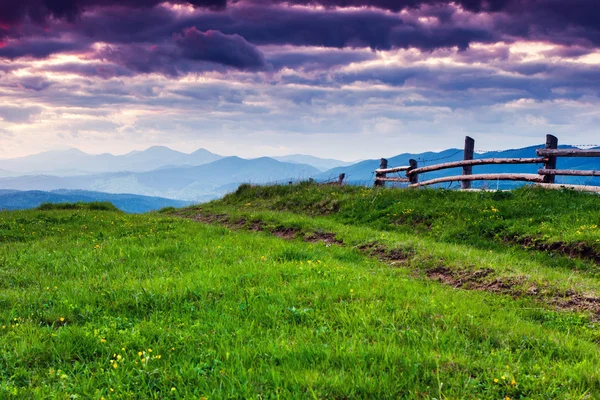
(382, 253)
(325, 237)
(573, 250)
(285, 233)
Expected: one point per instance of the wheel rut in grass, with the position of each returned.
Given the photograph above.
(477, 279)
(283, 232)
(574, 250)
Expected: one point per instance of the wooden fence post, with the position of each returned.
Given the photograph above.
(468, 155)
(383, 165)
(341, 179)
(551, 143)
(414, 178)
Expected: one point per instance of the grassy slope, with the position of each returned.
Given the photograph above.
(103, 304)
(466, 232)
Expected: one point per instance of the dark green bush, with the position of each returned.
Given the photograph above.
(92, 206)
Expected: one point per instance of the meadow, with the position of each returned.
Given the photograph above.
(305, 291)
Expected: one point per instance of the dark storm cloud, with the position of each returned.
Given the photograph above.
(568, 22)
(214, 46)
(143, 37)
(190, 51)
(40, 11)
(39, 47)
(394, 5)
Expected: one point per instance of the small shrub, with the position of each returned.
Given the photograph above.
(92, 206)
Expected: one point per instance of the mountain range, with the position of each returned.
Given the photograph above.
(203, 176)
(75, 162)
(193, 183)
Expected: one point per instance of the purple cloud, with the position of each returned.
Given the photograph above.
(214, 46)
(190, 51)
(40, 11)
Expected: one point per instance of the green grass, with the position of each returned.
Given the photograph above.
(100, 304)
(478, 218)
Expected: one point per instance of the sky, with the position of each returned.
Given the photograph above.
(346, 79)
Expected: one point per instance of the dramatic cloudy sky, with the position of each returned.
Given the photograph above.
(350, 79)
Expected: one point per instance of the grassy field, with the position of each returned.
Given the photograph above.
(305, 292)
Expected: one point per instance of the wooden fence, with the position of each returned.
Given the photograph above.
(545, 176)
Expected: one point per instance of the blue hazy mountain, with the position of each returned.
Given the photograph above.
(322, 164)
(19, 200)
(214, 179)
(75, 162)
(194, 183)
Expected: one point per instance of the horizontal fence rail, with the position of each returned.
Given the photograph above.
(568, 152)
(392, 170)
(568, 172)
(545, 176)
(483, 177)
(481, 161)
(393, 179)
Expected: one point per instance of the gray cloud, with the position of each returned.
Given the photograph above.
(16, 114)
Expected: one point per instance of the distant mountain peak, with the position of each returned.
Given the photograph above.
(74, 150)
(202, 150)
(155, 149)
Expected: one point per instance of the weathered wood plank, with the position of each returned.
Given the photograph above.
(568, 152)
(414, 178)
(467, 156)
(394, 179)
(480, 161)
(378, 175)
(579, 188)
(391, 170)
(482, 177)
(568, 172)
(551, 144)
